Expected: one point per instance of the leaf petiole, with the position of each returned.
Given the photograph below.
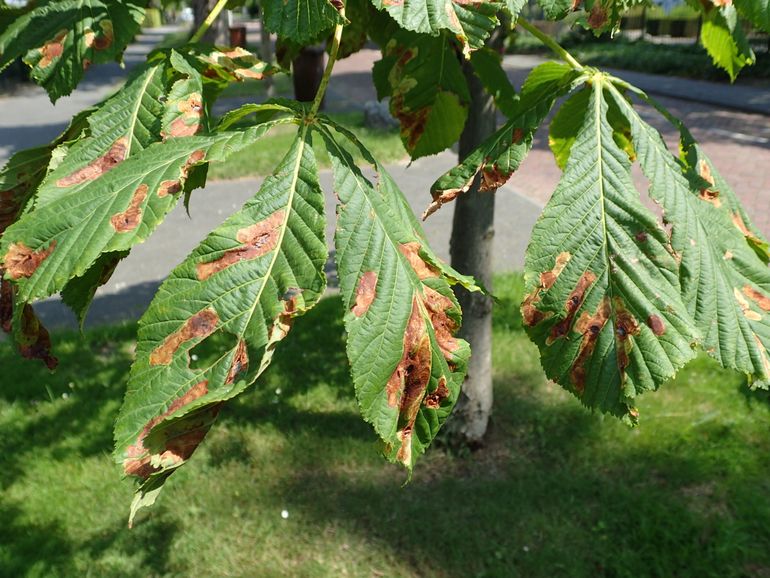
(555, 47)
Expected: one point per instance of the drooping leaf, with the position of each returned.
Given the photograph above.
(501, 154)
(723, 37)
(401, 315)
(725, 284)
(470, 22)
(556, 9)
(603, 302)
(60, 39)
(488, 67)
(79, 292)
(428, 92)
(235, 298)
(301, 21)
(64, 236)
(757, 11)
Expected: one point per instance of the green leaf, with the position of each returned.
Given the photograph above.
(471, 23)
(64, 235)
(757, 11)
(555, 9)
(722, 36)
(567, 124)
(724, 283)
(428, 93)
(300, 21)
(60, 39)
(501, 154)
(212, 327)
(401, 314)
(488, 67)
(603, 302)
(19, 179)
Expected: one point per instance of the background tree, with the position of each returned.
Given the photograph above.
(616, 301)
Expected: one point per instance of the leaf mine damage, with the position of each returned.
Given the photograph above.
(52, 49)
(96, 168)
(365, 293)
(200, 325)
(257, 240)
(531, 314)
(22, 262)
(573, 303)
(589, 326)
(129, 219)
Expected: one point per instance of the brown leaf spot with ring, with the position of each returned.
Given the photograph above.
(52, 49)
(573, 303)
(435, 398)
(138, 463)
(531, 314)
(411, 251)
(748, 312)
(656, 324)
(129, 219)
(22, 262)
(365, 293)
(257, 240)
(758, 297)
(200, 325)
(589, 326)
(96, 168)
(169, 188)
(240, 363)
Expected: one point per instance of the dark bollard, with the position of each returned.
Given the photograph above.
(308, 70)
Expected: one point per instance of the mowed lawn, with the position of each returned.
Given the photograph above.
(557, 491)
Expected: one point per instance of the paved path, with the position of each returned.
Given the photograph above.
(738, 142)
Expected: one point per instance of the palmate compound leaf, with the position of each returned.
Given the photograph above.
(603, 302)
(63, 237)
(59, 39)
(470, 22)
(501, 154)
(301, 21)
(400, 312)
(725, 283)
(428, 93)
(238, 292)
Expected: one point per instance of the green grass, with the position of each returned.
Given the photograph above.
(557, 491)
(263, 156)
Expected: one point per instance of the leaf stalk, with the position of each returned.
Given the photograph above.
(555, 47)
(208, 21)
(329, 67)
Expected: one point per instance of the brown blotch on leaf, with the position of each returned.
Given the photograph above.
(708, 194)
(52, 49)
(240, 362)
(138, 462)
(531, 314)
(763, 355)
(626, 327)
(105, 39)
(365, 293)
(96, 168)
(492, 177)
(129, 219)
(411, 251)
(748, 312)
(444, 326)
(435, 398)
(656, 324)
(284, 320)
(414, 366)
(573, 303)
(589, 326)
(200, 325)
(248, 73)
(194, 158)
(597, 18)
(22, 262)
(641, 237)
(169, 188)
(34, 341)
(758, 297)
(257, 240)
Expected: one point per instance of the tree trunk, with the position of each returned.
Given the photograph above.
(470, 247)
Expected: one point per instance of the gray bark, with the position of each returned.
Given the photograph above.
(471, 252)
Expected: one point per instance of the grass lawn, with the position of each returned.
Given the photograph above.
(557, 491)
(263, 156)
